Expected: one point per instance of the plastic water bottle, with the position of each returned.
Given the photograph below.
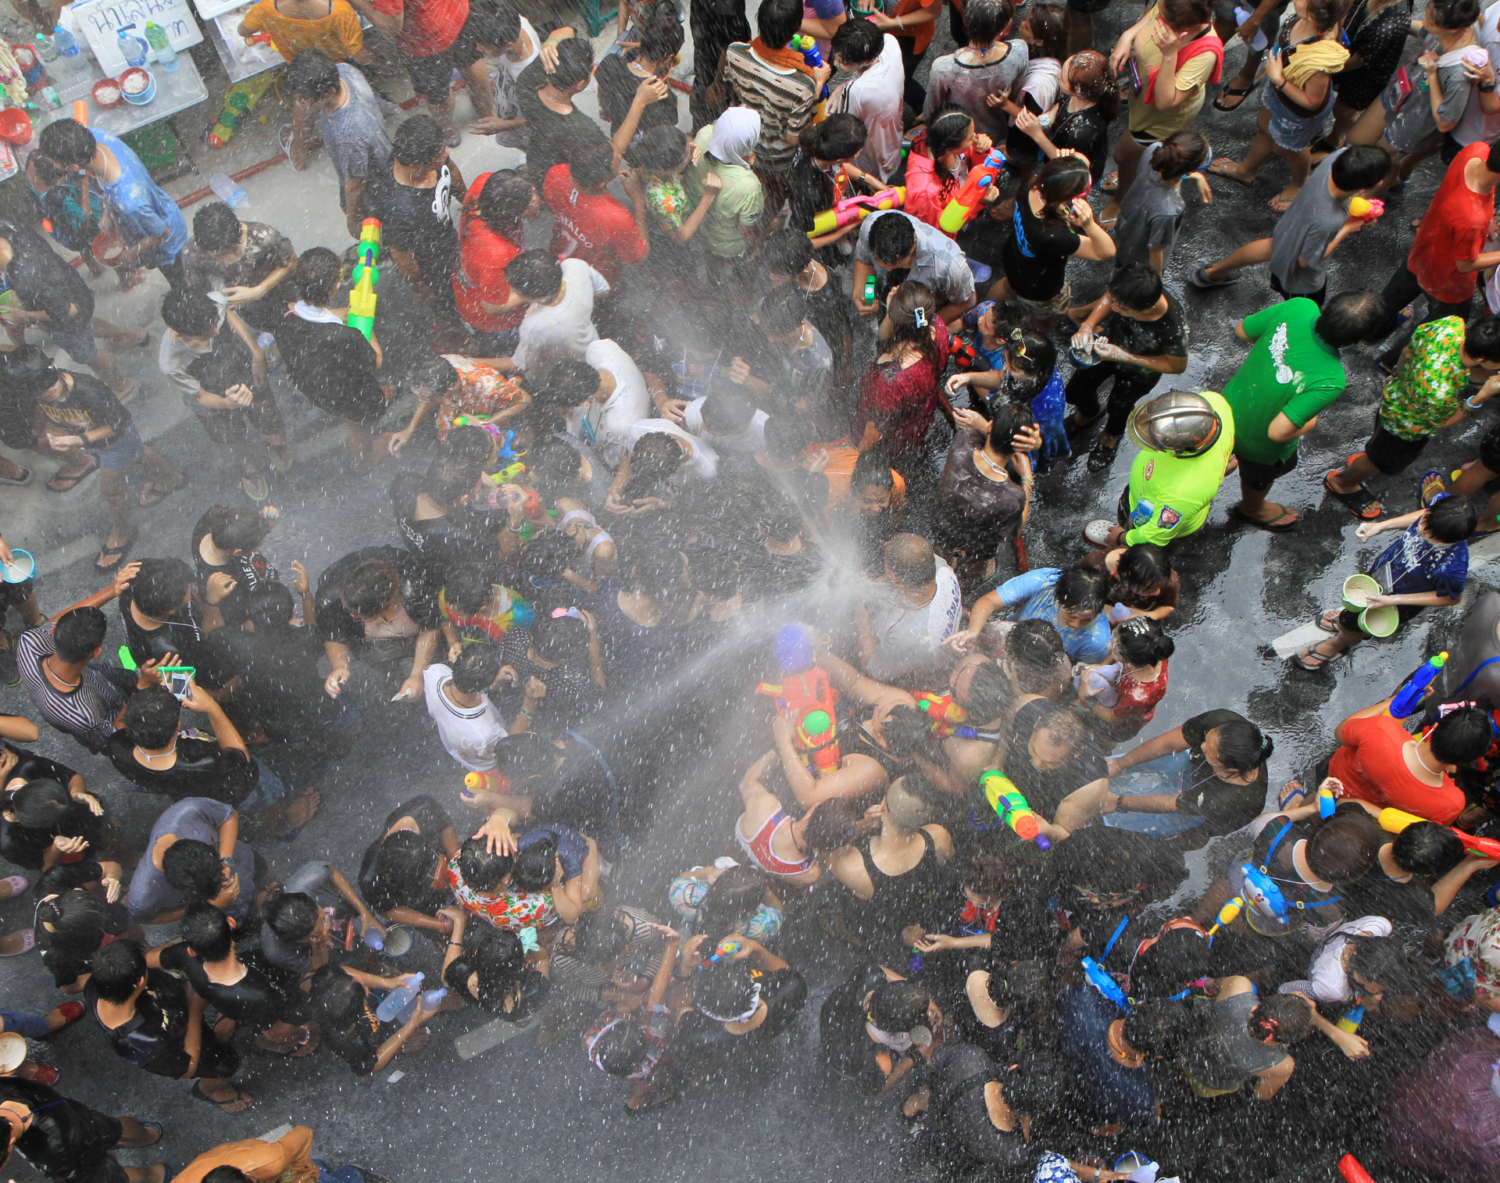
(373, 939)
(227, 191)
(46, 48)
(1351, 1019)
(396, 1001)
(428, 998)
(67, 44)
(156, 37)
(132, 48)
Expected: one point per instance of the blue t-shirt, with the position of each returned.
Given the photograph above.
(142, 208)
(1411, 564)
(1033, 592)
(572, 847)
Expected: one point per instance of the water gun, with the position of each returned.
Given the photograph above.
(965, 203)
(1006, 800)
(239, 101)
(1409, 697)
(1327, 803)
(509, 468)
(486, 782)
(1103, 981)
(728, 947)
(366, 275)
(1350, 1020)
(1228, 914)
(808, 48)
(1366, 209)
(944, 714)
(856, 209)
(805, 699)
(870, 288)
(1393, 821)
(1352, 1172)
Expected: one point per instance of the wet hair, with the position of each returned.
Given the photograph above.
(1482, 338)
(336, 998)
(1450, 14)
(1034, 646)
(947, 129)
(268, 606)
(39, 804)
(1180, 153)
(370, 587)
(449, 479)
(892, 236)
(554, 466)
(160, 587)
(1049, 31)
(1143, 566)
(560, 638)
(1024, 983)
(911, 560)
(561, 381)
(78, 919)
(833, 823)
(1343, 848)
(1360, 166)
(291, 915)
(660, 36)
(1142, 641)
(194, 870)
(468, 588)
(190, 313)
(991, 694)
(152, 717)
(1450, 519)
(1242, 745)
(1135, 287)
(207, 932)
(535, 275)
(656, 456)
(1092, 81)
(68, 142)
(1426, 848)
(418, 143)
(1350, 317)
(724, 990)
(1059, 181)
(599, 937)
(118, 968)
(734, 895)
(839, 137)
(575, 63)
(402, 869)
(505, 25)
(788, 252)
(906, 730)
(621, 1049)
(1062, 726)
(525, 757)
(1383, 961)
(1461, 736)
(778, 21)
(237, 529)
(216, 228)
(316, 275)
(482, 870)
(899, 1006)
(872, 470)
(781, 315)
(536, 865)
(1187, 14)
(469, 443)
(592, 165)
(311, 75)
(476, 668)
(912, 311)
(856, 42)
(1179, 956)
(1324, 14)
(1282, 1018)
(1080, 589)
(501, 202)
(227, 1174)
(548, 557)
(1008, 418)
(727, 413)
(79, 632)
(987, 20)
(662, 148)
(1033, 354)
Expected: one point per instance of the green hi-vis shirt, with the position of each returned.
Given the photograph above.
(1170, 497)
(1290, 371)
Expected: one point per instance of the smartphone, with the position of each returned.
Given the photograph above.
(176, 679)
(1135, 74)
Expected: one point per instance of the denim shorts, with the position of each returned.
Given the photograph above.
(1291, 132)
(80, 346)
(119, 451)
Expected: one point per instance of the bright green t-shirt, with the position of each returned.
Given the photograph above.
(1180, 492)
(1290, 371)
(739, 203)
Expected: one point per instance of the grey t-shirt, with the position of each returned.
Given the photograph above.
(1305, 231)
(1477, 643)
(354, 135)
(1224, 1056)
(312, 879)
(1149, 216)
(954, 82)
(1412, 126)
(939, 262)
(199, 819)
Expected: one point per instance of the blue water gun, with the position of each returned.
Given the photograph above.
(808, 48)
(1409, 697)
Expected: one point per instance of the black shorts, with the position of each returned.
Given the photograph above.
(1489, 449)
(1316, 297)
(1389, 453)
(1254, 475)
(431, 76)
(1088, 5)
(233, 427)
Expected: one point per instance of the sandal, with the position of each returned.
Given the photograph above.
(1329, 621)
(1229, 176)
(1283, 521)
(21, 481)
(1284, 801)
(1362, 503)
(1202, 279)
(1110, 184)
(1432, 486)
(1102, 455)
(240, 1095)
(117, 553)
(1280, 204)
(1240, 93)
(255, 485)
(70, 481)
(1311, 660)
(28, 942)
(17, 883)
(152, 494)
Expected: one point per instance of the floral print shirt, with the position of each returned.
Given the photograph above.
(1425, 391)
(668, 202)
(1478, 940)
(514, 910)
(482, 390)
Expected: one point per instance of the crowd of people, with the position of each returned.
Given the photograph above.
(752, 452)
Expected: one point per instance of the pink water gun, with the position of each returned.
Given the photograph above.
(856, 209)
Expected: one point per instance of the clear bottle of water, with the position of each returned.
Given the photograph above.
(67, 44)
(156, 37)
(132, 48)
(46, 48)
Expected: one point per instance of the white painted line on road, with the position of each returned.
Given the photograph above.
(481, 1039)
(1301, 637)
(275, 1135)
(394, 1076)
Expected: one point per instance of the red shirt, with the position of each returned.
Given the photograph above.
(1454, 227)
(593, 227)
(428, 27)
(480, 275)
(1137, 700)
(901, 403)
(1373, 769)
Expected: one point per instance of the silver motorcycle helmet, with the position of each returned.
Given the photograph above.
(1179, 422)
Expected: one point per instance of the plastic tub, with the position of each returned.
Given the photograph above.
(1357, 590)
(15, 126)
(1380, 621)
(398, 941)
(24, 568)
(12, 1052)
(107, 93)
(108, 247)
(128, 79)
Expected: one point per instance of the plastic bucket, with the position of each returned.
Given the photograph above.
(108, 247)
(112, 86)
(398, 941)
(12, 1052)
(22, 570)
(145, 96)
(1357, 590)
(15, 126)
(1380, 621)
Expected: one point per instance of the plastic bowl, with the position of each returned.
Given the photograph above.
(1380, 621)
(112, 85)
(15, 126)
(12, 1052)
(398, 941)
(1357, 590)
(108, 247)
(24, 568)
(145, 96)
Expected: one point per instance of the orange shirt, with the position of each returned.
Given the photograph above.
(265, 1162)
(923, 34)
(840, 470)
(338, 34)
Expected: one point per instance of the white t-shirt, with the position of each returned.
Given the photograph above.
(703, 461)
(568, 324)
(468, 733)
(514, 68)
(604, 427)
(1327, 981)
(911, 638)
(752, 439)
(876, 97)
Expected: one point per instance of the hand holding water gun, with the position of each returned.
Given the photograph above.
(362, 298)
(1012, 808)
(944, 714)
(805, 700)
(856, 209)
(1410, 696)
(1366, 209)
(808, 48)
(1393, 821)
(966, 202)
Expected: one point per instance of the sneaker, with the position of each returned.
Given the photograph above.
(1102, 455)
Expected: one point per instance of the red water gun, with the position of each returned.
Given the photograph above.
(806, 701)
(965, 203)
(1351, 1170)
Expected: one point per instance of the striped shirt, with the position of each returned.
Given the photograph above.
(87, 713)
(786, 103)
(582, 982)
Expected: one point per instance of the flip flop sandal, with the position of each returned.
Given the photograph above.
(1310, 661)
(72, 481)
(1232, 92)
(160, 1134)
(1384, 368)
(28, 943)
(255, 485)
(118, 553)
(1285, 800)
(239, 1095)
(1431, 486)
(1276, 525)
(152, 495)
(1110, 184)
(1202, 279)
(1329, 621)
(18, 481)
(1362, 503)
